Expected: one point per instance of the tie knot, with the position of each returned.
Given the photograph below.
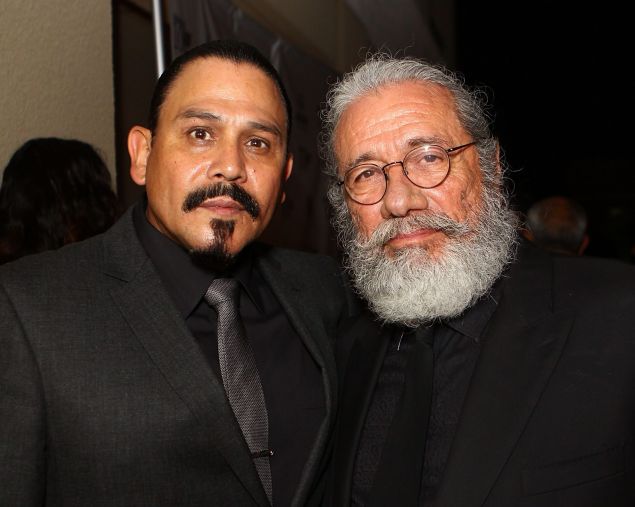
(222, 290)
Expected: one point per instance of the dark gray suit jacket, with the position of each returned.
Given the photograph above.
(549, 416)
(105, 397)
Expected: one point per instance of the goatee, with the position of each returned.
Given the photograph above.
(216, 257)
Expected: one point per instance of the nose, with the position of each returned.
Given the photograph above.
(402, 197)
(227, 163)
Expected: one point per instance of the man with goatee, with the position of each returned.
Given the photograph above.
(501, 375)
(172, 361)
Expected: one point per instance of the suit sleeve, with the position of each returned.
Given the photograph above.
(22, 480)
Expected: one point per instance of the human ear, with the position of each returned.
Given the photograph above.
(288, 169)
(499, 169)
(139, 146)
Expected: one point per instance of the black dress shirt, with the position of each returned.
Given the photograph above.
(291, 381)
(391, 434)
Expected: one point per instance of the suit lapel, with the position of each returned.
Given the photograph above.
(147, 308)
(364, 364)
(521, 347)
(296, 301)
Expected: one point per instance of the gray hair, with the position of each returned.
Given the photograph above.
(382, 69)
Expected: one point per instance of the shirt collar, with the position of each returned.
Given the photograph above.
(473, 321)
(185, 281)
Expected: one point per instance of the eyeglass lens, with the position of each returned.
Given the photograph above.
(426, 167)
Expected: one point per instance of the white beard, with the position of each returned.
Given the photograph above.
(412, 287)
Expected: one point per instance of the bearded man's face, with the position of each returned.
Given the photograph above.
(419, 254)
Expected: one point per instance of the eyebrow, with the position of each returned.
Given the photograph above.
(209, 116)
(415, 142)
(267, 127)
(199, 114)
(411, 144)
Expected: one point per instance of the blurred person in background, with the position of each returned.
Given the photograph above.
(54, 192)
(558, 224)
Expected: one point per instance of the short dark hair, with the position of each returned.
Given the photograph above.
(235, 51)
(54, 192)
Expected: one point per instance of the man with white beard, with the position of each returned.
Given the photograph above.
(491, 374)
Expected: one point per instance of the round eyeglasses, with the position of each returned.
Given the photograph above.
(427, 166)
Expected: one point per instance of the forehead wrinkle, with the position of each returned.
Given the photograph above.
(411, 144)
(266, 127)
(200, 114)
(364, 157)
(417, 141)
(404, 122)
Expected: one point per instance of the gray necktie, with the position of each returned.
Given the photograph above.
(240, 376)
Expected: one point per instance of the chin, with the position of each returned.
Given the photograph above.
(216, 254)
(213, 258)
(422, 250)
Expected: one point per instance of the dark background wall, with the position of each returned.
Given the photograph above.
(556, 76)
(559, 78)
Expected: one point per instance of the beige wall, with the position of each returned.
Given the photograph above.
(56, 61)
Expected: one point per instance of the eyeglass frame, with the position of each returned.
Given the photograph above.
(383, 168)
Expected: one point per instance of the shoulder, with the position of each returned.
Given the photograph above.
(593, 272)
(40, 288)
(290, 258)
(315, 279)
(303, 266)
(74, 266)
(571, 279)
(599, 282)
(600, 292)
(53, 265)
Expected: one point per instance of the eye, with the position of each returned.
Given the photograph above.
(430, 158)
(365, 174)
(258, 143)
(200, 134)
(426, 157)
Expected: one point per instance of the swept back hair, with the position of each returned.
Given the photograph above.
(382, 69)
(230, 50)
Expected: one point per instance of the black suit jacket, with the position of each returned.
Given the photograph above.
(549, 416)
(105, 397)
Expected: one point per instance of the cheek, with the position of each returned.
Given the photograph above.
(459, 200)
(165, 177)
(265, 191)
(365, 218)
(471, 196)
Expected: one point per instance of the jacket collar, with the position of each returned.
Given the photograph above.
(296, 298)
(145, 304)
(157, 324)
(523, 344)
(370, 342)
(523, 341)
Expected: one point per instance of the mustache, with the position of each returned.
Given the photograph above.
(197, 197)
(406, 225)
